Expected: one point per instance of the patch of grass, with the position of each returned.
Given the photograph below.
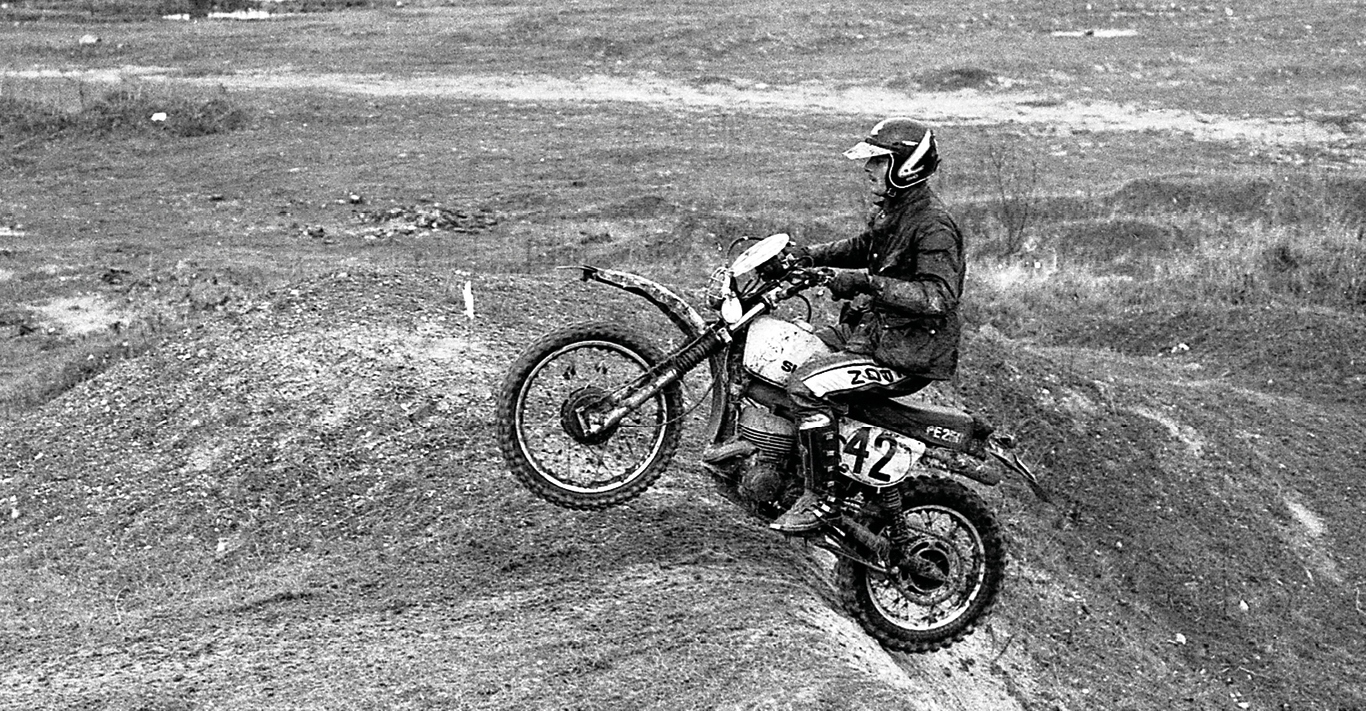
(65, 365)
(136, 110)
(1291, 237)
(131, 108)
(956, 78)
(27, 118)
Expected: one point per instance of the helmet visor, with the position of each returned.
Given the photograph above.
(865, 150)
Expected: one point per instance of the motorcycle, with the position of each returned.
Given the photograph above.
(590, 415)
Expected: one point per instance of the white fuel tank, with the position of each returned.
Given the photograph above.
(774, 348)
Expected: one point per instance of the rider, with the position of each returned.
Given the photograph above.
(900, 332)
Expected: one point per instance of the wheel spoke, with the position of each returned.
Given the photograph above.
(943, 574)
(580, 375)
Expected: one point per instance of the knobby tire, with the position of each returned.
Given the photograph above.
(853, 579)
(512, 440)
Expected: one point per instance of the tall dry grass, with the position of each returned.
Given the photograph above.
(1296, 240)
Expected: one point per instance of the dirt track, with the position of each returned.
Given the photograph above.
(358, 640)
(1033, 110)
(451, 625)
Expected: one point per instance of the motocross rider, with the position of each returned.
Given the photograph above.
(904, 274)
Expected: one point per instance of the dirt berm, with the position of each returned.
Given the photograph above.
(300, 505)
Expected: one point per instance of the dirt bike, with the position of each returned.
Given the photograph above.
(590, 415)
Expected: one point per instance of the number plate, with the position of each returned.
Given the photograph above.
(875, 456)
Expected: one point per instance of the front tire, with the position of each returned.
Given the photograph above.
(548, 451)
(949, 576)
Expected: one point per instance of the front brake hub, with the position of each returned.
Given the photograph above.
(578, 404)
(928, 572)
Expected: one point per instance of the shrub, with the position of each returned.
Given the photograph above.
(1013, 176)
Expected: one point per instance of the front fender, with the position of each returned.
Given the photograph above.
(681, 314)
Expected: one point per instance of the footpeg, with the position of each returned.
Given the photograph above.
(718, 453)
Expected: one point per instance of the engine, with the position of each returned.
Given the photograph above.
(774, 436)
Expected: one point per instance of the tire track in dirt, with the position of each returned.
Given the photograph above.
(961, 106)
(1031, 109)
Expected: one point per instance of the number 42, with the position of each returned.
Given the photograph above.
(858, 447)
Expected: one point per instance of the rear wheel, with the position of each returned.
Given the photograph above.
(541, 428)
(947, 578)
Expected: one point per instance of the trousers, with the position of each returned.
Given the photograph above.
(819, 386)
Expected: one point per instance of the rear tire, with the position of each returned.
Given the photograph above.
(538, 434)
(952, 572)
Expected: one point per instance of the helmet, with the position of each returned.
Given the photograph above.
(911, 145)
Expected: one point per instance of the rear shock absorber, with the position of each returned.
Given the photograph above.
(899, 533)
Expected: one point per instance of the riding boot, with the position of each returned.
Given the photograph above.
(819, 443)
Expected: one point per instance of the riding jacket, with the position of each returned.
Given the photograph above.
(913, 253)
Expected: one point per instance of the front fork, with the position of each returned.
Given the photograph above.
(672, 369)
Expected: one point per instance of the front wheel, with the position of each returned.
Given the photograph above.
(948, 576)
(542, 437)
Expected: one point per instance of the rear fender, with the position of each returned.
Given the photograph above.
(681, 314)
(999, 448)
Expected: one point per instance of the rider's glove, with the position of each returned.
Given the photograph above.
(848, 283)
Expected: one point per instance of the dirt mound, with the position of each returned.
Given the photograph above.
(1283, 351)
(318, 474)
(1174, 536)
(303, 493)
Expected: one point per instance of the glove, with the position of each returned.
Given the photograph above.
(800, 254)
(848, 283)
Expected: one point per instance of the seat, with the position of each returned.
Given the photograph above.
(933, 424)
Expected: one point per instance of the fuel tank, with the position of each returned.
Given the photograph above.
(774, 348)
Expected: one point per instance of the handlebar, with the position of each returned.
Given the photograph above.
(803, 278)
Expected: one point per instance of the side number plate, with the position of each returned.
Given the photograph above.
(875, 456)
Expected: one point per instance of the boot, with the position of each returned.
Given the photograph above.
(820, 455)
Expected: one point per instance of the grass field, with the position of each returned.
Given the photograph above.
(246, 445)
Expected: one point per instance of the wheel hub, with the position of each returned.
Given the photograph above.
(928, 572)
(575, 405)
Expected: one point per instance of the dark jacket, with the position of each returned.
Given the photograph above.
(913, 252)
